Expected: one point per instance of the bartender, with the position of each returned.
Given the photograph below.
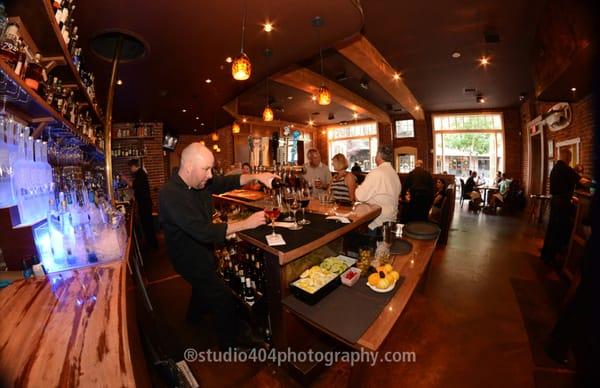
(562, 185)
(186, 210)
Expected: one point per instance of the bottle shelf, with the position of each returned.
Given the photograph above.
(38, 17)
(37, 110)
(134, 138)
(129, 157)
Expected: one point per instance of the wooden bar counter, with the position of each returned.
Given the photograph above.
(284, 265)
(73, 328)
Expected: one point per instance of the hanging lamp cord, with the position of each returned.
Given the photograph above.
(243, 25)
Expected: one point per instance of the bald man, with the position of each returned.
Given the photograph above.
(420, 184)
(186, 210)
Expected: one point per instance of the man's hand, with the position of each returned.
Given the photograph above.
(265, 178)
(255, 220)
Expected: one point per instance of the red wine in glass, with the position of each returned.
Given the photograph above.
(272, 213)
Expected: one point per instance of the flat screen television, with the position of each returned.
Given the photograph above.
(170, 142)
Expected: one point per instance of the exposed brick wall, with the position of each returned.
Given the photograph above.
(421, 141)
(153, 162)
(582, 127)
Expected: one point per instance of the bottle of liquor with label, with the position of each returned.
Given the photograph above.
(35, 73)
(9, 45)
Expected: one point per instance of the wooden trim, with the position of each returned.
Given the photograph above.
(364, 55)
(308, 81)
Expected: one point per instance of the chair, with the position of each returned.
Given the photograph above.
(463, 195)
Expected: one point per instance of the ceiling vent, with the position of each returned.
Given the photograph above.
(469, 91)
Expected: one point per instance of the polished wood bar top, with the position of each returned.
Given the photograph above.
(412, 267)
(67, 329)
(362, 214)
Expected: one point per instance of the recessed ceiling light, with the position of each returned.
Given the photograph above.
(195, 130)
(417, 107)
(119, 82)
(197, 118)
(244, 120)
(355, 115)
(311, 122)
(313, 97)
(228, 59)
(268, 27)
(396, 76)
(202, 124)
(573, 89)
(484, 61)
(208, 80)
(290, 97)
(455, 55)
(184, 110)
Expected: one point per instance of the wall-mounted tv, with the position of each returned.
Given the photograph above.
(170, 142)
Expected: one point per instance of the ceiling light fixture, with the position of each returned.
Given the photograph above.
(480, 99)
(268, 27)
(311, 122)
(119, 82)
(235, 128)
(354, 115)
(268, 112)
(324, 95)
(244, 120)
(197, 118)
(208, 80)
(455, 55)
(573, 89)
(214, 136)
(202, 124)
(417, 107)
(228, 59)
(313, 97)
(184, 110)
(241, 67)
(396, 76)
(484, 61)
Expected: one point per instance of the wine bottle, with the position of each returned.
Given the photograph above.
(249, 293)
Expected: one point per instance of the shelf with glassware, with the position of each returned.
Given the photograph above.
(51, 26)
(29, 105)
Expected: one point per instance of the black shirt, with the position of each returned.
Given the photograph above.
(420, 182)
(141, 189)
(470, 185)
(563, 180)
(186, 216)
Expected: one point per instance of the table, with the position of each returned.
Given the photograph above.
(486, 189)
(539, 203)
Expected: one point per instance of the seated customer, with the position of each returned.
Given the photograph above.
(381, 187)
(357, 171)
(472, 191)
(438, 200)
(499, 197)
(343, 184)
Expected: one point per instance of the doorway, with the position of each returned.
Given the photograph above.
(536, 159)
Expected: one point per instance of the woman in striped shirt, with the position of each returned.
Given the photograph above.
(343, 185)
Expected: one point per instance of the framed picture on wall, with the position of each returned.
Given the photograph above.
(550, 149)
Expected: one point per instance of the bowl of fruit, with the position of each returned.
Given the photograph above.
(383, 279)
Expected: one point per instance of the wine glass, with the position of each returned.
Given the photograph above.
(272, 211)
(288, 197)
(304, 201)
(294, 206)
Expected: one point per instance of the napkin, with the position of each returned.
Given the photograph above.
(343, 220)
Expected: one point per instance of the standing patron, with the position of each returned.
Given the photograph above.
(420, 186)
(562, 185)
(317, 174)
(381, 187)
(343, 184)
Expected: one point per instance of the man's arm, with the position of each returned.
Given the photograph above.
(222, 184)
(367, 189)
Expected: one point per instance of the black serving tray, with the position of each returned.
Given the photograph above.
(315, 297)
(421, 230)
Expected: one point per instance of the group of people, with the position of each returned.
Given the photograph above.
(471, 191)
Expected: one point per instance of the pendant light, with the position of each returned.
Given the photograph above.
(268, 112)
(241, 68)
(235, 128)
(323, 95)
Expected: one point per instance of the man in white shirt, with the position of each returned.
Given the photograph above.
(381, 187)
(317, 174)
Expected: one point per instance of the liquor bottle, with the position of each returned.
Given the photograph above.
(3, 19)
(50, 90)
(260, 279)
(249, 293)
(56, 5)
(9, 45)
(35, 73)
(74, 39)
(77, 58)
(21, 59)
(241, 281)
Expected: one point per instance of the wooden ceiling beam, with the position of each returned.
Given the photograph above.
(232, 108)
(308, 81)
(364, 55)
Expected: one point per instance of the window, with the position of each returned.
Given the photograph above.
(466, 142)
(405, 128)
(357, 142)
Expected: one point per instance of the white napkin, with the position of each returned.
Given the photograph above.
(280, 224)
(343, 220)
